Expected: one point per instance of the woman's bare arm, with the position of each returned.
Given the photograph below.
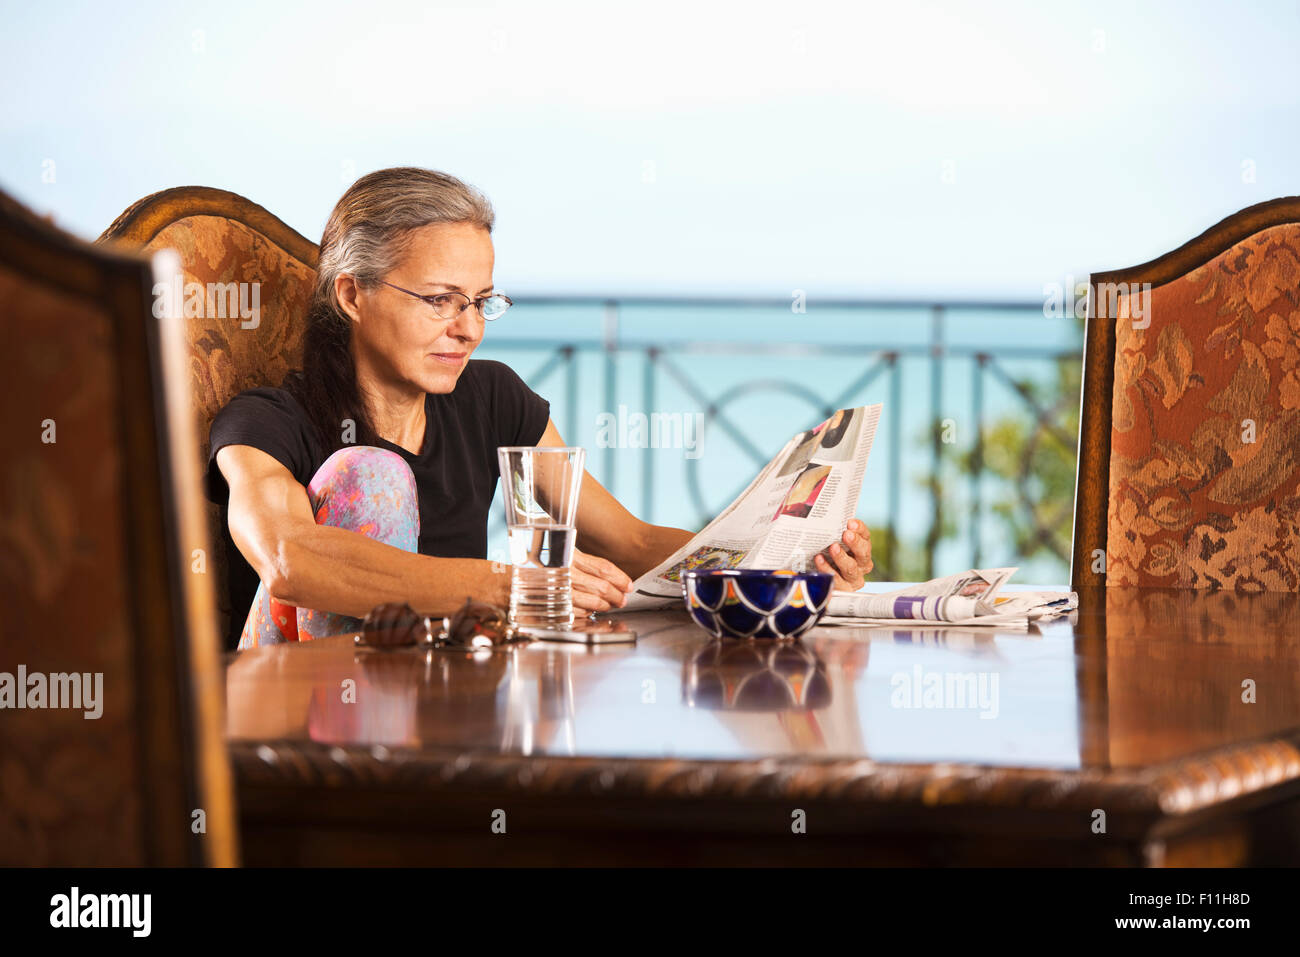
(334, 569)
(619, 546)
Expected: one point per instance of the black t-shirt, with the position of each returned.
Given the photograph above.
(456, 471)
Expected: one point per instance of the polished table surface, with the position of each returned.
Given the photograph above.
(1175, 714)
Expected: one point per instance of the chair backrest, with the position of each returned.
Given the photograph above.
(234, 256)
(1189, 446)
(111, 738)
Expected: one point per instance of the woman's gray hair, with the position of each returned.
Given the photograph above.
(366, 235)
(370, 226)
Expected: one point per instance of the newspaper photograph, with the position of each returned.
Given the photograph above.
(798, 505)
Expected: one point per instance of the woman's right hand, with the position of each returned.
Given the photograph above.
(598, 585)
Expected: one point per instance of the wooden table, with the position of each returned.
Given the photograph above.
(1152, 728)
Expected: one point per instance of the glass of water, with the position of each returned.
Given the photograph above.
(541, 487)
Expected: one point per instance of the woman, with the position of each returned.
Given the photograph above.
(367, 476)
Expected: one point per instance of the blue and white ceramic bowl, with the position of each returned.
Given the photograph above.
(755, 602)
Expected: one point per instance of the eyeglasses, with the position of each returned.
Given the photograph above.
(449, 305)
(477, 626)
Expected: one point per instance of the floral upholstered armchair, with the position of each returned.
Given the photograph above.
(97, 526)
(247, 279)
(1189, 465)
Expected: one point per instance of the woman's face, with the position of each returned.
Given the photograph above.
(400, 339)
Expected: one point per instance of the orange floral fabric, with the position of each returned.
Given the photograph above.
(226, 358)
(1205, 431)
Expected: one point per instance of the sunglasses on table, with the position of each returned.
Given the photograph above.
(476, 626)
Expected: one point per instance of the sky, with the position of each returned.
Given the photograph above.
(924, 150)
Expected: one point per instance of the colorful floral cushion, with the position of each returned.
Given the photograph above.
(1205, 431)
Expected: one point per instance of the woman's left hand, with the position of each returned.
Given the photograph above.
(851, 560)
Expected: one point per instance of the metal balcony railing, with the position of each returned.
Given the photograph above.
(715, 357)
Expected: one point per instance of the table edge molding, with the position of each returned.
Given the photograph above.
(1179, 787)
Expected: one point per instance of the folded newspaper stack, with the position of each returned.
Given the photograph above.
(966, 599)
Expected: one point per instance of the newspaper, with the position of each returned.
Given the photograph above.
(797, 506)
(967, 598)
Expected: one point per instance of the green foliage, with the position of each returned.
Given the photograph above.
(1031, 460)
(896, 560)
(1026, 467)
